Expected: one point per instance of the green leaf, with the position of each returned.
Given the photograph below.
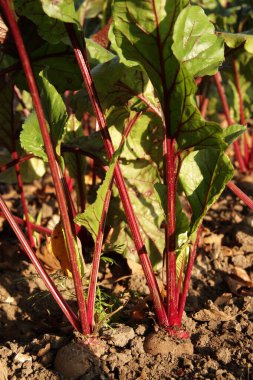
(48, 28)
(233, 40)
(54, 109)
(91, 217)
(31, 139)
(123, 85)
(232, 132)
(196, 44)
(63, 10)
(143, 34)
(56, 117)
(203, 176)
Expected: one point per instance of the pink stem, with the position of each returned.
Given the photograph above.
(54, 166)
(81, 57)
(35, 227)
(43, 274)
(242, 114)
(188, 275)
(240, 194)
(223, 98)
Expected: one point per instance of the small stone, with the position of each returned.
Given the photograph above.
(72, 360)
(21, 358)
(3, 372)
(140, 330)
(120, 336)
(223, 355)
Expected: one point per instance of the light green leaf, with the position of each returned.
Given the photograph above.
(31, 139)
(232, 132)
(56, 117)
(233, 40)
(203, 176)
(63, 10)
(91, 217)
(195, 43)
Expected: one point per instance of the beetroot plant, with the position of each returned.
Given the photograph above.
(162, 165)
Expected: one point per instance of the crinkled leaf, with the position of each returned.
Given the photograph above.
(195, 43)
(203, 176)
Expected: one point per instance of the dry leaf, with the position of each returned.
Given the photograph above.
(214, 314)
(223, 299)
(238, 286)
(58, 249)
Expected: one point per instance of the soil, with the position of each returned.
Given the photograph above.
(36, 341)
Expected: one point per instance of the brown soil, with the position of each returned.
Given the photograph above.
(36, 342)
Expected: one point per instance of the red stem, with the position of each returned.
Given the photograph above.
(170, 233)
(35, 227)
(54, 166)
(223, 98)
(240, 194)
(242, 114)
(23, 200)
(81, 57)
(43, 274)
(188, 275)
(19, 160)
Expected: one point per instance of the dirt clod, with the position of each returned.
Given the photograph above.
(163, 344)
(72, 360)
